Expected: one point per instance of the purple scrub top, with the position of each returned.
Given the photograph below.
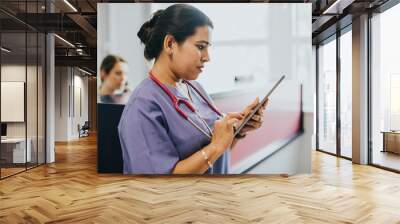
(154, 137)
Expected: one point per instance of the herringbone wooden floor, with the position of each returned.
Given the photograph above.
(71, 191)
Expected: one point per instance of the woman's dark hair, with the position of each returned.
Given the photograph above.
(109, 62)
(179, 20)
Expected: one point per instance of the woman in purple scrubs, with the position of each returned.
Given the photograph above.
(155, 137)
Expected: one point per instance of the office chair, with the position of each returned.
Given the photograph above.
(84, 130)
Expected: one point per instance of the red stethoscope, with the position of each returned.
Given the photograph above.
(178, 101)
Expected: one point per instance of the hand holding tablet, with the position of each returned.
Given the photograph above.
(259, 105)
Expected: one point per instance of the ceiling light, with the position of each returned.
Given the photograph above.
(84, 71)
(65, 41)
(70, 5)
(338, 6)
(5, 50)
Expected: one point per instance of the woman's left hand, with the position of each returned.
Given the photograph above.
(256, 121)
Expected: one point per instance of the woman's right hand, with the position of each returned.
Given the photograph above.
(223, 133)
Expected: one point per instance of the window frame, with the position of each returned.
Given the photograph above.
(334, 37)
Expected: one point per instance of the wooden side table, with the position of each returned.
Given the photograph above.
(391, 141)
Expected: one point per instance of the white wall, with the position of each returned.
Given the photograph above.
(70, 84)
(294, 158)
(80, 96)
(117, 27)
(12, 73)
(61, 103)
(246, 41)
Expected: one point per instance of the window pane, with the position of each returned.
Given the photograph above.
(41, 98)
(13, 84)
(386, 89)
(327, 97)
(346, 94)
(23, 89)
(31, 97)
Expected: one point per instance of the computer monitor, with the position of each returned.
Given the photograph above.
(3, 129)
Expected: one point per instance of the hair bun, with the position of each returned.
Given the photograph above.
(145, 31)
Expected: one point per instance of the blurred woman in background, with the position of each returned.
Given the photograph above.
(113, 88)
